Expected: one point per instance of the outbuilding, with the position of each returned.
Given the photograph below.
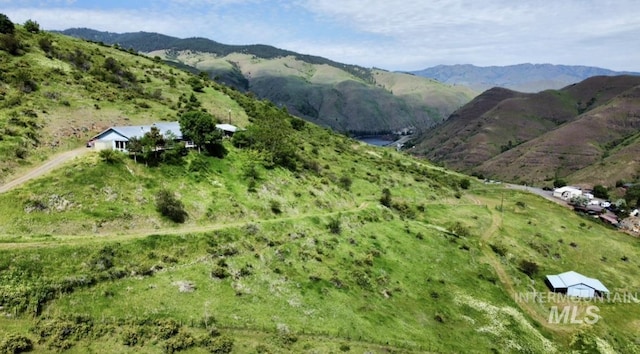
(567, 192)
(576, 284)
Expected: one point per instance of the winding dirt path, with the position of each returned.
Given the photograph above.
(505, 279)
(37, 171)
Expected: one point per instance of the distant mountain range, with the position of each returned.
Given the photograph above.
(522, 77)
(347, 98)
(586, 133)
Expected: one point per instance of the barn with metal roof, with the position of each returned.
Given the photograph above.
(576, 284)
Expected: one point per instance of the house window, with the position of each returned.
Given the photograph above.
(121, 145)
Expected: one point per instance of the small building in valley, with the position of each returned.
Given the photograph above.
(576, 284)
(567, 192)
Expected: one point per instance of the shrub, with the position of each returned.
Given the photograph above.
(297, 123)
(131, 337)
(386, 198)
(276, 206)
(345, 182)
(15, 343)
(25, 82)
(111, 157)
(10, 44)
(166, 328)
(170, 206)
(62, 333)
(529, 268)
(220, 272)
(32, 26)
(6, 26)
(221, 345)
(600, 191)
(465, 183)
(182, 341)
(334, 226)
(459, 230)
(559, 183)
(498, 249)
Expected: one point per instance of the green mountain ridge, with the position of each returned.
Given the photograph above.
(347, 98)
(344, 247)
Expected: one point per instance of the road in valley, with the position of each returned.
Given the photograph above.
(538, 191)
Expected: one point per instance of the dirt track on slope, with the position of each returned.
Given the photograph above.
(505, 279)
(37, 171)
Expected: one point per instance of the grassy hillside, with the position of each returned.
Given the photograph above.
(584, 133)
(57, 92)
(331, 96)
(344, 97)
(340, 247)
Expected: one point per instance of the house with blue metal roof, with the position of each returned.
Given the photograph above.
(117, 138)
(576, 284)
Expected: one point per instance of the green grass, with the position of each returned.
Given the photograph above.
(386, 269)
(298, 260)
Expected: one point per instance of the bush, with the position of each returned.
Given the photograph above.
(465, 183)
(10, 44)
(345, 182)
(498, 249)
(131, 337)
(600, 191)
(529, 268)
(276, 206)
(559, 183)
(62, 333)
(221, 345)
(386, 198)
(32, 26)
(111, 157)
(335, 226)
(15, 343)
(6, 26)
(459, 229)
(181, 341)
(170, 206)
(220, 272)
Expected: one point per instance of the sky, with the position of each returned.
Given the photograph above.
(393, 35)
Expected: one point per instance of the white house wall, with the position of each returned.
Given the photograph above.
(103, 145)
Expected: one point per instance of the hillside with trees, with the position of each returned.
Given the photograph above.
(344, 97)
(285, 237)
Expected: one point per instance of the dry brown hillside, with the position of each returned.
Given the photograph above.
(536, 137)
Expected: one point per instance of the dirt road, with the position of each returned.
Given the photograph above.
(37, 171)
(548, 195)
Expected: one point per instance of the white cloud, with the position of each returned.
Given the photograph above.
(406, 35)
